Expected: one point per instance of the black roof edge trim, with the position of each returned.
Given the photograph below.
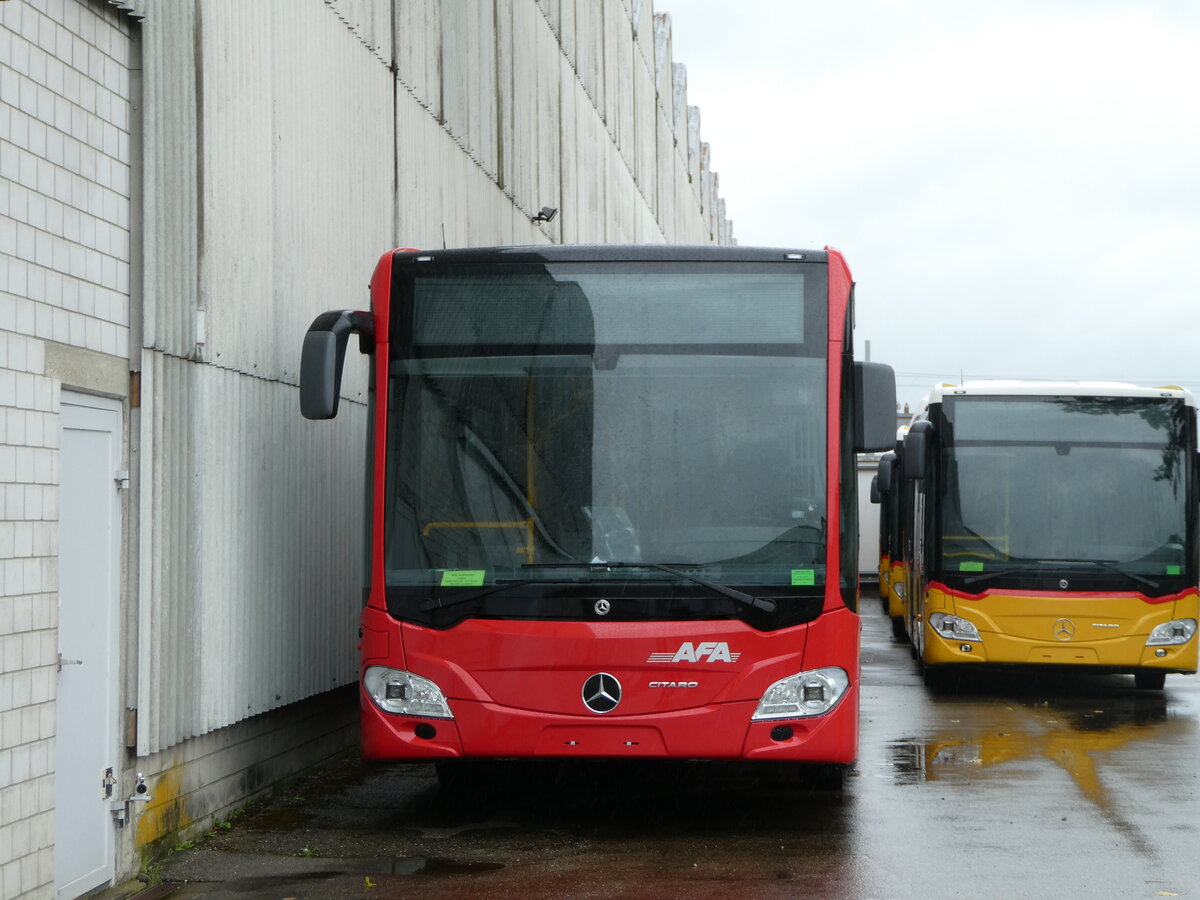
(616, 253)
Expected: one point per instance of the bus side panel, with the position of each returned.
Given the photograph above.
(885, 572)
(895, 590)
(840, 284)
(381, 307)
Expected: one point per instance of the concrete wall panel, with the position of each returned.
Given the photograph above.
(418, 41)
(469, 76)
(588, 59)
(297, 180)
(371, 22)
(645, 130)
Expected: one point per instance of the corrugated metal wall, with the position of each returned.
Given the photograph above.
(251, 529)
(288, 144)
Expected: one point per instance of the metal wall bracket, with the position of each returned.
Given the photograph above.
(141, 794)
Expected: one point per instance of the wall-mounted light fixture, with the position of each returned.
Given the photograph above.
(546, 215)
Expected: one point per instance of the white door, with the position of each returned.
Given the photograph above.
(89, 573)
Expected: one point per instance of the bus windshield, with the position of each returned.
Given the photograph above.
(1089, 484)
(549, 418)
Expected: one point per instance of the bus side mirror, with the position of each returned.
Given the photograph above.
(887, 470)
(916, 447)
(322, 356)
(876, 497)
(875, 407)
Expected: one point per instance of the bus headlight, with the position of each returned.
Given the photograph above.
(898, 587)
(1179, 631)
(405, 694)
(806, 694)
(953, 628)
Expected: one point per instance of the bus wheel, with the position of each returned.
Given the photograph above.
(1149, 680)
(898, 631)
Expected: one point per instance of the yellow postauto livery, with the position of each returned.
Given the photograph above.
(892, 516)
(1055, 524)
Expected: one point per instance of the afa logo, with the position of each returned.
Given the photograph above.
(705, 651)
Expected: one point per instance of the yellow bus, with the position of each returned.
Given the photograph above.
(891, 537)
(1054, 524)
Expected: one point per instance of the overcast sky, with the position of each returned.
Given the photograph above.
(1015, 183)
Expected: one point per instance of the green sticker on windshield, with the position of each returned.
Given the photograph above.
(970, 567)
(804, 577)
(1174, 570)
(463, 578)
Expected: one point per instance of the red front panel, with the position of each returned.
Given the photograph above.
(688, 689)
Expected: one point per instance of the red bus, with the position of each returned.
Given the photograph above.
(612, 501)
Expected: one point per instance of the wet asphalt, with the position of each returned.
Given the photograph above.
(1056, 784)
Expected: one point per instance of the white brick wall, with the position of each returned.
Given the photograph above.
(64, 277)
(28, 616)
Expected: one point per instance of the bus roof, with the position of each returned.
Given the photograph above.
(621, 253)
(1014, 388)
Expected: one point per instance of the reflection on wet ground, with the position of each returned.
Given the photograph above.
(1068, 719)
(1080, 722)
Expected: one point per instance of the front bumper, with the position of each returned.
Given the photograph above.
(720, 731)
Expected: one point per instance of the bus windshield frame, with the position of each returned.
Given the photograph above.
(649, 433)
(1095, 492)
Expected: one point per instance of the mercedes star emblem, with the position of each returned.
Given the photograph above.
(602, 607)
(1064, 584)
(1064, 629)
(601, 693)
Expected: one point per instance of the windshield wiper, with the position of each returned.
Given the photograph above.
(673, 569)
(995, 573)
(440, 602)
(1034, 566)
(1110, 564)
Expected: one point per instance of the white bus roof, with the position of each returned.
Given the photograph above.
(1006, 388)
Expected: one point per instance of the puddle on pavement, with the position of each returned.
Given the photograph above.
(907, 761)
(1078, 724)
